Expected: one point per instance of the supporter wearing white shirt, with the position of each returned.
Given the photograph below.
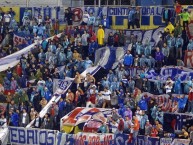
(169, 80)
(40, 20)
(138, 114)
(3, 121)
(41, 82)
(85, 18)
(7, 18)
(168, 88)
(107, 97)
(24, 118)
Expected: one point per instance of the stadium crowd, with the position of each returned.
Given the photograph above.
(28, 87)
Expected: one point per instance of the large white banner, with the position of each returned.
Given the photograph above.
(181, 142)
(23, 136)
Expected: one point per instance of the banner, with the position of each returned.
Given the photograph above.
(170, 71)
(153, 35)
(93, 138)
(4, 135)
(180, 142)
(17, 40)
(165, 141)
(19, 135)
(176, 121)
(84, 119)
(109, 57)
(32, 136)
(61, 83)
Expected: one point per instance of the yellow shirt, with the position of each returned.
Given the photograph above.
(100, 36)
(170, 27)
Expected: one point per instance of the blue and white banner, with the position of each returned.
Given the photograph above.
(181, 142)
(165, 141)
(19, 135)
(13, 59)
(4, 135)
(62, 83)
(171, 71)
(109, 57)
(31, 136)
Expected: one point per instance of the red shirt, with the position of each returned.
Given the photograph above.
(190, 96)
(154, 132)
(178, 8)
(19, 70)
(92, 98)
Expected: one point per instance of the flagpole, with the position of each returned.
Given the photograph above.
(99, 3)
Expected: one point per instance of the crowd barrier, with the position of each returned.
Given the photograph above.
(31, 136)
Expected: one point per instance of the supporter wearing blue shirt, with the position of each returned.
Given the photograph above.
(6, 83)
(29, 40)
(147, 50)
(14, 118)
(158, 86)
(171, 41)
(142, 74)
(9, 74)
(42, 56)
(187, 85)
(181, 102)
(61, 58)
(121, 109)
(143, 103)
(44, 44)
(47, 94)
(105, 83)
(142, 61)
(179, 44)
(92, 47)
(91, 19)
(68, 72)
(61, 108)
(131, 85)
(143, 121)
(26, 31)
(13, 24)
(160, 115)
(190, 45)
(105, 22)
(87, 63)
(177, 86)
(41, 30)
(52, 47)
(131, 17)
(139, 48)
(35, 29)
(69, 54)
(114, 85)
(110, 76)
(128, 59)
